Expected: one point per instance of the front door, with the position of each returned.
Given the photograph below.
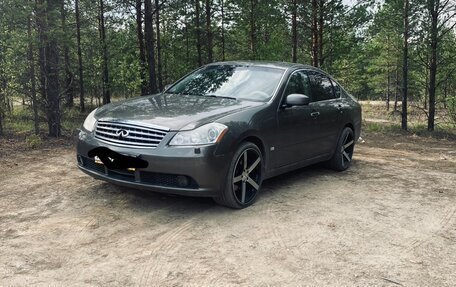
(296, 133)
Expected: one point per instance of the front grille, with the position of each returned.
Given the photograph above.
(130, 135)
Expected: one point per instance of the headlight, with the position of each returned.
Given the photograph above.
(207, 134)
(89, 123)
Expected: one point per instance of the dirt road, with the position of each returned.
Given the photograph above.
(390, 220)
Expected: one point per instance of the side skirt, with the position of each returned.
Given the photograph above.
(297, 165)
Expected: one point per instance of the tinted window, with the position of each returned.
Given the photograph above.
(253, 83)
(345, 94)
(322, 88)
(337, 89)
(298, 84)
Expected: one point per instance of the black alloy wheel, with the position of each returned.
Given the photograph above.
(244, 178)
(342, 157)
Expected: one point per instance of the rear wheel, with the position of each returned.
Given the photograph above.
(244, 177)
(342, 157)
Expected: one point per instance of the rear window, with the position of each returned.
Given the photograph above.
(322, 88)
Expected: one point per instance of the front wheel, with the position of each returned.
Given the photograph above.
(244, 177)
(342, 157)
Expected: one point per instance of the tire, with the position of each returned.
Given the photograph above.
(342, 157)
(244, 178)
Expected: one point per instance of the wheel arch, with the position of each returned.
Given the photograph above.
(347, 125)
(259, 143)
(350, 125)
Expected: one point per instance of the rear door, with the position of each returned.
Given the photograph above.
(325, 107)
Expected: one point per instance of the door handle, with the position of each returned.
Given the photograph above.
(314, 114)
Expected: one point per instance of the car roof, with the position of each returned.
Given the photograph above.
(271, 64)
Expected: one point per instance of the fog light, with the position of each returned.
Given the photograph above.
(182, 180)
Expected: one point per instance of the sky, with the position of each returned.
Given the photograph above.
(349, 2)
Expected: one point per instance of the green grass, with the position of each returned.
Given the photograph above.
(72, 119)
(418, 129)
(440, 132)
(381, 127)
(20, 122)
(33, 141)
(383, 121)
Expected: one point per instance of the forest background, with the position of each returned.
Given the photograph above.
(59, 59)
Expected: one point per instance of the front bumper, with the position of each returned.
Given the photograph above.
(204, 170)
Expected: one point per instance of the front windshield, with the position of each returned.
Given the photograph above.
(240, 82)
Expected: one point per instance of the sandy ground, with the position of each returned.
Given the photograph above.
(390, 220)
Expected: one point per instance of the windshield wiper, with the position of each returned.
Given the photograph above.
(215, 96)
(203, 95)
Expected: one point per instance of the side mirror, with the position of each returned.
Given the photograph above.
(297, 100)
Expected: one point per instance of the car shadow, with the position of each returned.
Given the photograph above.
(278, 188)
(143, 201)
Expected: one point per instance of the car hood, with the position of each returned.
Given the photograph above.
(172, 111)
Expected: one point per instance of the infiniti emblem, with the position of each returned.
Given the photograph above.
(122, 133)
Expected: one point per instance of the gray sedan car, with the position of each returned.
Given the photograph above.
(221, 130)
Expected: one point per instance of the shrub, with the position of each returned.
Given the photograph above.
(451, 104)
(33, 141)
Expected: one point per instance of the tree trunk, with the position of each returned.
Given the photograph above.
(320, 32)
(69, 96)
(209, 31)
(80, 67)
(42, 38)
(164, 54)
(53, 95)
(396, 90)
(142, 53)
(1, 111)
(314, 29)
(198, 32)
(328, 57)
(405, 66)
(253, 48)
(433, 7)
(445, 94)
(266, 33)
(2, 88)
(31, 60)
(150, 49)
(1, 121)
(426, 90)
(49, 64)
(388, 83)
(159, 53)
(294, 33)
(187, 45)
(388, 74)
(223, 28)
(104, 51)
